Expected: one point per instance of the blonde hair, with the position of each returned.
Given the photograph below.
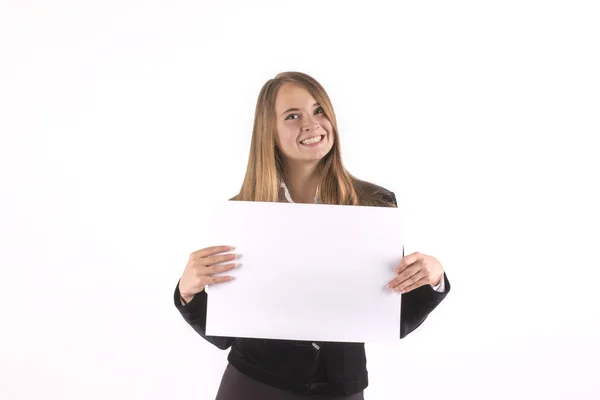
(265, 163)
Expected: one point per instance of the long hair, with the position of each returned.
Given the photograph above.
(265, 162)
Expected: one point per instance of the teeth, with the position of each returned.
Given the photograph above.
(312, 140)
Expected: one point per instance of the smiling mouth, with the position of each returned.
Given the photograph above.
(312, 140)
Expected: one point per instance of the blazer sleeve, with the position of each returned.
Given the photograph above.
(194, 313)
(418, 303)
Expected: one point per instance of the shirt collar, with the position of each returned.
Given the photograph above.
(287, 195)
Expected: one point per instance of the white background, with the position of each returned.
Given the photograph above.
(120, 119)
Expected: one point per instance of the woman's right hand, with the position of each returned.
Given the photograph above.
(201, 266)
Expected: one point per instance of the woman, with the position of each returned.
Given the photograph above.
(295, 156)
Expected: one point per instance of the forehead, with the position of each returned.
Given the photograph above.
(291, 95)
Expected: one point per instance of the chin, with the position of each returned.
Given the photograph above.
(320, 156)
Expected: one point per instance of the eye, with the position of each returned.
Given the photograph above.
(319, 109)
(290, 115)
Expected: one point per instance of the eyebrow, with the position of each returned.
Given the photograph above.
(297, 109)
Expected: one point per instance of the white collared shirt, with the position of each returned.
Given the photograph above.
(440, 287)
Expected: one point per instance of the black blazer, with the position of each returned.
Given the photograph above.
(306, 367)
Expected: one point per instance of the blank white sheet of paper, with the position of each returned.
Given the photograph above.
(307, 272)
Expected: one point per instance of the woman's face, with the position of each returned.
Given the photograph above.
(304, 134)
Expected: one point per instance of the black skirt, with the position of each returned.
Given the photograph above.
(238, 386)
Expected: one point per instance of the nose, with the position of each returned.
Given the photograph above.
(310, 125)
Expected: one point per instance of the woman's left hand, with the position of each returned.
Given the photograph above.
(416, 270)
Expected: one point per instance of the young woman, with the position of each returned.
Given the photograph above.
(295, 156)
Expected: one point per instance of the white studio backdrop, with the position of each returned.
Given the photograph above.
(121, 120)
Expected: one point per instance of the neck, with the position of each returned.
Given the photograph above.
(302, 181)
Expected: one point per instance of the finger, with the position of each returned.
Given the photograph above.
(211, 260)
(419, 283)
(209, 251)
(409, 282)
(213, 280)
(407, 261)
(216, 269)
(406, 274)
